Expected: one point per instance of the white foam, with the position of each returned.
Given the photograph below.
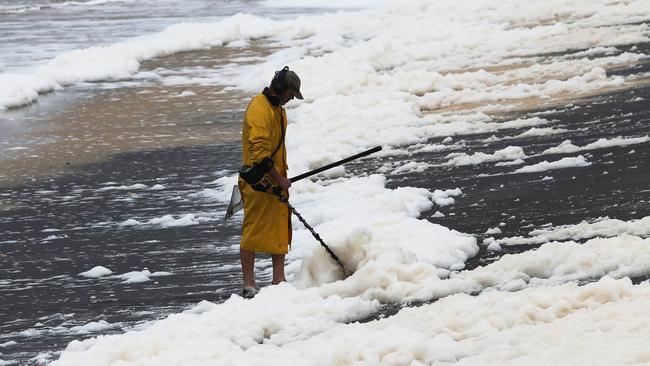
(322, 3)
(444, 198)
(17, 9)
(170, 221)
(140, 276)
(494, 328)
(389, 253)
(87, 3)
(556, 262)
(8, 344)
(566, 147)
(573, 162)
(534, 132)
(223, 191)
(508, 153)
(51, 230)
(185, 93)
(492, 245)
(602, 227)
(93, 327)
(411, 167)
(210, 332)
(299, 327)
(510, 163)
(135, 276)
(54, 237)
(96, 272)
(167, 221)
(133, 187)
(131, 222)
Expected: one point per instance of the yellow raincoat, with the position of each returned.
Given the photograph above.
(267, 221)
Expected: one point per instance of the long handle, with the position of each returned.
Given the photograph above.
(335, 164)
(278, 192)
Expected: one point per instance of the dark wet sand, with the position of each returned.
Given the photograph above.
(41, 283)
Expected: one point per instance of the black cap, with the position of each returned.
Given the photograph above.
(293, 83)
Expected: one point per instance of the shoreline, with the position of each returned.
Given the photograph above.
(88, 124)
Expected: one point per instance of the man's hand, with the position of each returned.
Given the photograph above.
(281, 181)
(284, 183)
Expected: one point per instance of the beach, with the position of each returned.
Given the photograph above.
(90, 125)
(508, 207)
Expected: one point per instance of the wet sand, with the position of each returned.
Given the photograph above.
(503, 108)
(54, 228)
(84, 125)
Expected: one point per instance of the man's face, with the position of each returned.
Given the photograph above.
(286, 97)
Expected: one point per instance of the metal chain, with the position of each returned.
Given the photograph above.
(282, 198)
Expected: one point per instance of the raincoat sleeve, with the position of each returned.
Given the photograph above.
(259, 133)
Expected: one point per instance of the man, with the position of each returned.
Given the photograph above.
(267, 221)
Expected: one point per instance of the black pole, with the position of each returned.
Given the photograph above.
(313, 232)
(335, 164)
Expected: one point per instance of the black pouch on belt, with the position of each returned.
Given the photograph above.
(256, 175)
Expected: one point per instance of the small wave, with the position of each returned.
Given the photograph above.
(91, 2)
(24, 8)
(121, 60)
(19, 9)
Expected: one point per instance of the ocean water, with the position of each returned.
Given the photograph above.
(530, 116)
(35, 31)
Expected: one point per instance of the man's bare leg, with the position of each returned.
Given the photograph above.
(278, 268)
(247, 264)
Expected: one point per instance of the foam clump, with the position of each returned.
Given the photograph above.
(96, 272)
